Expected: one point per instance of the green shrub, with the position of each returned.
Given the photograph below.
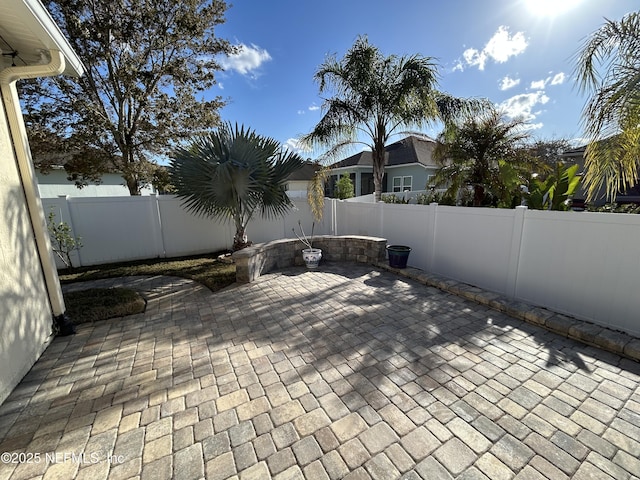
(393, 198)
(62, 242)
(553, 192)
(344, 188)
(615, 208)
(441, 198)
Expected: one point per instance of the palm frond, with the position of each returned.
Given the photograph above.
(612, 164)
(608, 68)
(232, 173)
(315, 192)
(614, 44)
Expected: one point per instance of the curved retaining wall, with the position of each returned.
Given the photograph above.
(251, 262)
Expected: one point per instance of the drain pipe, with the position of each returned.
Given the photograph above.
(8, 78)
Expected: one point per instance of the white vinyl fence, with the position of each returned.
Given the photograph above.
(114, 229)
(583, 264)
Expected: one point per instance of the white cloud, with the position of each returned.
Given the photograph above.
(539, 84)
(507, 82)
(522, 106)
(247, 60)
(312, 108)
(294, 145)
(558, 79)
(499, 48)
(502, 46)
(474, 57)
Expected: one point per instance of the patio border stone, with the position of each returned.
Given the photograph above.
(256, 260)
(583, 331)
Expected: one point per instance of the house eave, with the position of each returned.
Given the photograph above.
(412, 164)
(28, 29)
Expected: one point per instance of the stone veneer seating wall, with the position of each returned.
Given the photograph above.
(251, 262)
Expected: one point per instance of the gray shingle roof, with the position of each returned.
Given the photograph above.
(306, 172)
(411, 149)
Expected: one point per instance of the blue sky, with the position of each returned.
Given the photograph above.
(517, 53)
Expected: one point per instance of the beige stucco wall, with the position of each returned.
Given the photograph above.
(298, 184)
(25, 314)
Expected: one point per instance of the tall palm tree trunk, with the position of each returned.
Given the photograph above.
(378, 168)
(478, 195)
(240, 240)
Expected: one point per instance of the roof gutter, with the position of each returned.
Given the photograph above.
(8, 78)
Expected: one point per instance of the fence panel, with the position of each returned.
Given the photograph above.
(473, 245)
(265, 230)
(354, 218)
(184, 233)
(116, 228)
(408, 225)
(583, 264)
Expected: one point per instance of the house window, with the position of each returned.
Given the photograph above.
(402, 184)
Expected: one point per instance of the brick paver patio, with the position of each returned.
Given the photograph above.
(347, 372)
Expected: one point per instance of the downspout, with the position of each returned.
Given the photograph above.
(8, 78)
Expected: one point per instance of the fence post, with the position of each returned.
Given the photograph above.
(156, 226)
(334, 216)
(431, 235)
(514, 252)
(380, 232)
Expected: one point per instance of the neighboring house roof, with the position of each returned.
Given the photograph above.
(307, 172)
(575, 152)
(576, 155)
(28, 30)
(411, 149)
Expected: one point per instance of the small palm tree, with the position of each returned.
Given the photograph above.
(232, 173)
(485, 153)
(377, 96)
(608, 67)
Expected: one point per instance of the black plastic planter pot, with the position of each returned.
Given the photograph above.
(398, 255)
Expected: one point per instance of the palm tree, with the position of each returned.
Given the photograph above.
(486, 153)
(233, 173)
(376, 96)
(608, 68)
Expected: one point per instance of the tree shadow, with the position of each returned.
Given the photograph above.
(24, 304)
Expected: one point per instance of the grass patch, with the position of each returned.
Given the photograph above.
(206, 269)
(97, 304)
